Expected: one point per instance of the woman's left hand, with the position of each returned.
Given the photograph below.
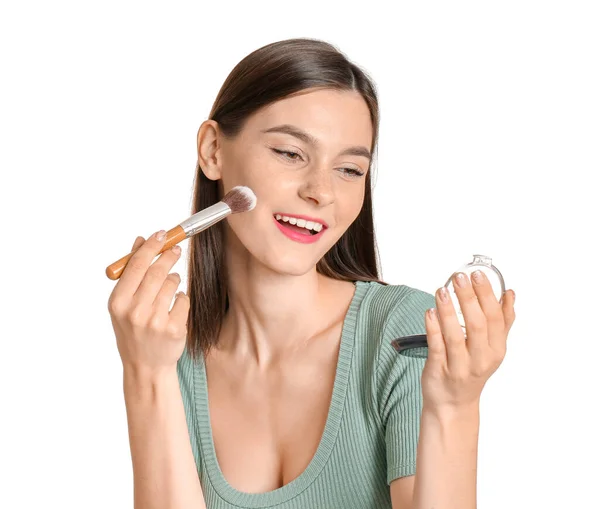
(457, 369)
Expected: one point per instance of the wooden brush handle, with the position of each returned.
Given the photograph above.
(174, 236)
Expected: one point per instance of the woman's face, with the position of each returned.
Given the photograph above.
(306, 158)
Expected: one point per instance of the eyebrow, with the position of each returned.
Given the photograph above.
(311, 140)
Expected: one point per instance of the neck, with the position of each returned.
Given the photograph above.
(273, 314)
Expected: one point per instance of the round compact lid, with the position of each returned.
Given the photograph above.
(484, 264)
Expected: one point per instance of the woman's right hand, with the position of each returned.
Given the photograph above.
(150, 338)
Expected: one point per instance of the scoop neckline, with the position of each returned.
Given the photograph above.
(210, 464)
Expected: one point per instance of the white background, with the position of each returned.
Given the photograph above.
(490, 134)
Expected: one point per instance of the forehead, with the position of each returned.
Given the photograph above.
(331, 116)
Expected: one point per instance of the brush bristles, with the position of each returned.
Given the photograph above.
(240, 199)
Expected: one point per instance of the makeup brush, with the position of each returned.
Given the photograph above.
(239, 199)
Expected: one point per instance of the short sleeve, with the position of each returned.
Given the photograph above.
(398, 379)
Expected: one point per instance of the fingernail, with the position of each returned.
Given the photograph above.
(477, 276)
(443, 294)
(176, 249)
(161, 235)
(461, 280)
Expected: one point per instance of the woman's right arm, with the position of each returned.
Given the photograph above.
(164, 470)
(151, 339)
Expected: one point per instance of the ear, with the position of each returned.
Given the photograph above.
(209, 149)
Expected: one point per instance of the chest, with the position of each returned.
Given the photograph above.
(266, 429)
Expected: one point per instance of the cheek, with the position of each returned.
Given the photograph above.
(238, 162)
(254, 170)
(349, 205)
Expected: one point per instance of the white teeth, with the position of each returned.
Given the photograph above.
(309, 225)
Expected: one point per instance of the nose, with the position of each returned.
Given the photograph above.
(317, 188)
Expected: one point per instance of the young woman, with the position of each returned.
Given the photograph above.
(273, 383)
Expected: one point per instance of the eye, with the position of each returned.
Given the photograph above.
(352, 172)
(288, 154)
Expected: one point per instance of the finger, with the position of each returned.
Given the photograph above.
(475, 320)
(164, 298)
(155, 276)
(138, 264)
(125, 284)
(178, 316)
(508, 309)
(435, 341)
(454, 338)
(489, 304)
(138, 242)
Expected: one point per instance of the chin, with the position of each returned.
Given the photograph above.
(278, 254)
(293, 264)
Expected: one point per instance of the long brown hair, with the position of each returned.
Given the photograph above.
(264, 76)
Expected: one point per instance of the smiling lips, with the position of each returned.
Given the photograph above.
(300, 228)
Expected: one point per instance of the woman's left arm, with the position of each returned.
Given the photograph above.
(446, 474)
(453, 378)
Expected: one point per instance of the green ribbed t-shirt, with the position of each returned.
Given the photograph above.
(372, 428)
